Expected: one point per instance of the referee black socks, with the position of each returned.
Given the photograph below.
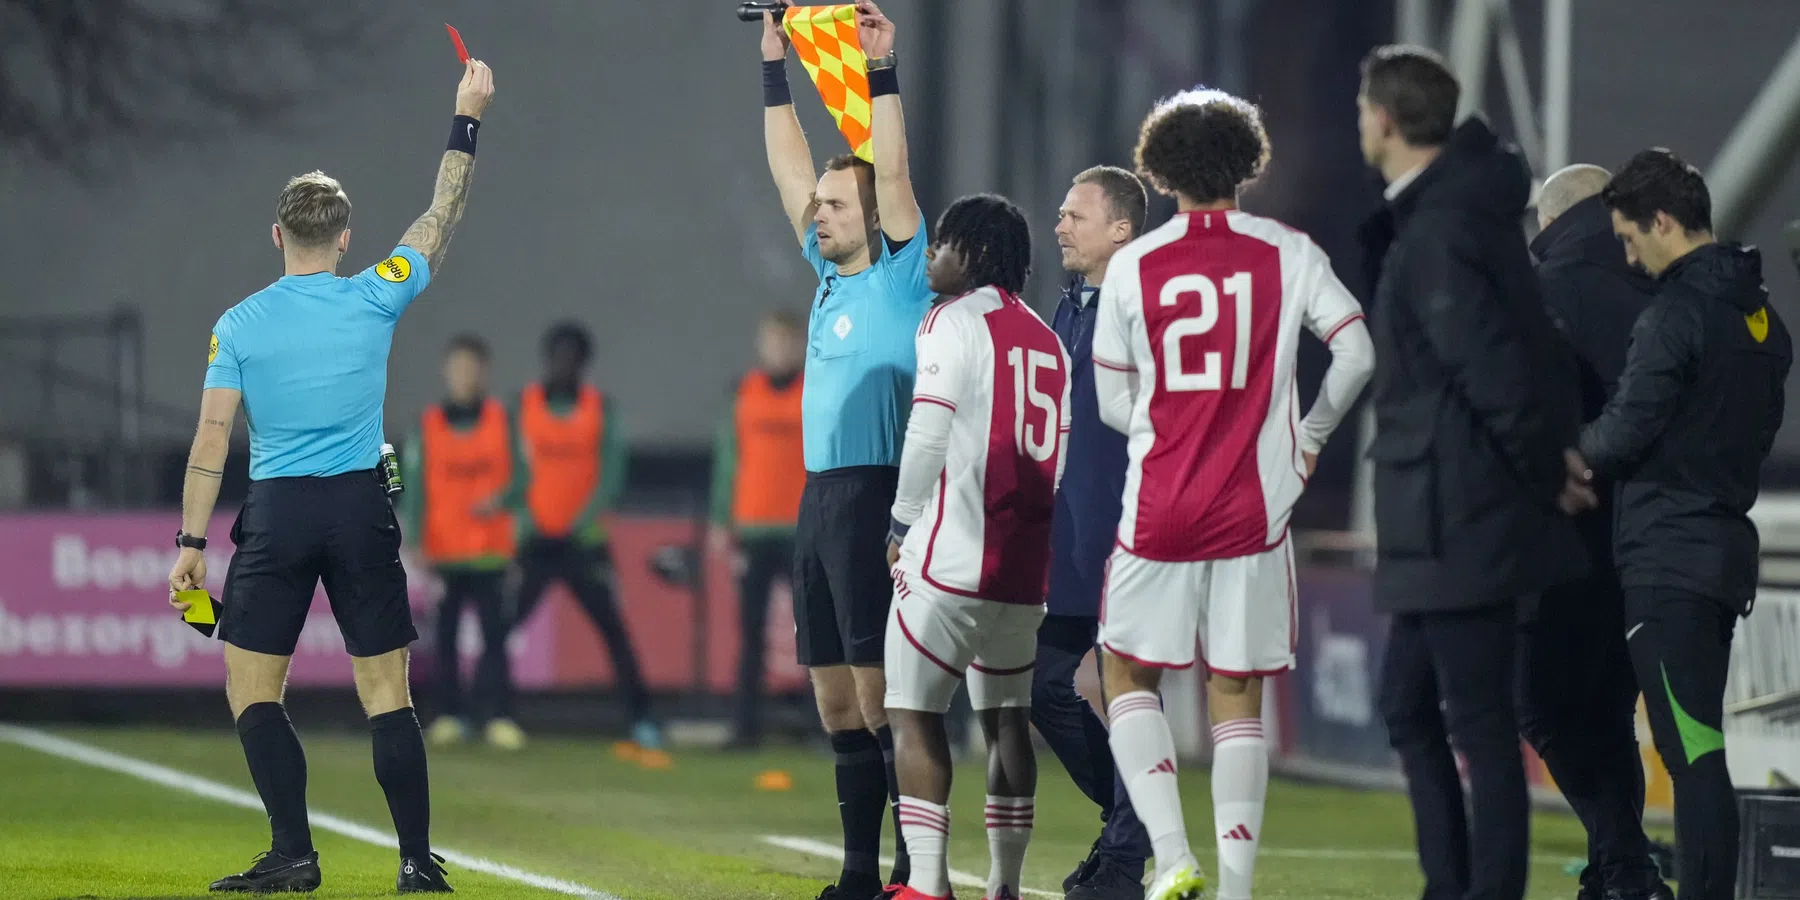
(902, 863)
(278, 767)
(400, 767)
(862, 799)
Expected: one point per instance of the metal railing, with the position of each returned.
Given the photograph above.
(77, 410)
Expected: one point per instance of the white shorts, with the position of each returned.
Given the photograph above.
(1241, 610)
(934, 637)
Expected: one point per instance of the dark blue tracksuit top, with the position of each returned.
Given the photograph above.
(1086, 522)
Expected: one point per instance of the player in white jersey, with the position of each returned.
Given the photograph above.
(1194, 350)
(970, 541)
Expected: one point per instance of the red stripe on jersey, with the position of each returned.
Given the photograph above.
(1212, 312)
(1109, 364)
(936, 526)
(1340, 326)
(927, 398)
(931, 318)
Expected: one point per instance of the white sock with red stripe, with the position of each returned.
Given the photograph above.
(1144, 751)
(1009, 832)
(926, 827)
(1240, 785)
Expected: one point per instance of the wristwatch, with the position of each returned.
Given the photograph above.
(189, 542)
(884, 62)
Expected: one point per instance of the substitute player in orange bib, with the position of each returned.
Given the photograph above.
(1194, 351)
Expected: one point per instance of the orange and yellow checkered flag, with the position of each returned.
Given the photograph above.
(826, 40)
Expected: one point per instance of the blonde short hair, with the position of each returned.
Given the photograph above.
(313, 209)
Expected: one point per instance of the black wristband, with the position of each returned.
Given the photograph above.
(462, 134)
(883, 82)
(775, 86)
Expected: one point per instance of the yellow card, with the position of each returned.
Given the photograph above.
(200, 608)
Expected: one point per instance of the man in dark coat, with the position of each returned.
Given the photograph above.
(1475, 407)
(1698, 404)
(1577, 693)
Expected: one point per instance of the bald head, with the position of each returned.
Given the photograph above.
(1567, 187)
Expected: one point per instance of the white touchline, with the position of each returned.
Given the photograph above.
(75, 751)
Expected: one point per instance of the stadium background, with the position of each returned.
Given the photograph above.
(623, 184)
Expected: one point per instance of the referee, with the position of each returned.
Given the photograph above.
(1685, 437)
(307, 358)
(861, 230)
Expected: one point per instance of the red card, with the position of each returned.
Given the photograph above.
(462, 52)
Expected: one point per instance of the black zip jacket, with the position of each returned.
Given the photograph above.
(1595, 297)
(1474, 392)
(1696, 412)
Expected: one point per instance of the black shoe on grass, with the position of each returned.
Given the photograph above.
(272, 873)
(423, 876)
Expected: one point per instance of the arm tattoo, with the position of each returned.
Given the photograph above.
(430, 235)
(219, 422)
(202, 470)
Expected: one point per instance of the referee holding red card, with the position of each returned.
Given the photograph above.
(308, 354)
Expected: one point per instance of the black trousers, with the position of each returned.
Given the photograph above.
(765, 557)
(1681, 648)
(1577, 702)
(1078, 737)
(588, 571)
(491, 697)
(1448, 679)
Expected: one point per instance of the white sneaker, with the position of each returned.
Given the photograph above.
(447, 730)
(506, 734)
(1182, 881)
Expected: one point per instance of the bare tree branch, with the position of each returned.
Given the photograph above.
(80, 79)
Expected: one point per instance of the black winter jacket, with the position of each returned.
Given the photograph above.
(1595, 296)
(1696, 412)
(1474, 392)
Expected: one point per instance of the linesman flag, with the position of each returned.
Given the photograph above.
(826, 40)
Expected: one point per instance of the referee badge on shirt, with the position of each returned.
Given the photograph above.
(395, 269)
(212, 352)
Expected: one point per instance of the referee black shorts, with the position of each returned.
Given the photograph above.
(841, 584)
(294, 533)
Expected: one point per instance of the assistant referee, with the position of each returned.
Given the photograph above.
(307, 358)
(861, 230)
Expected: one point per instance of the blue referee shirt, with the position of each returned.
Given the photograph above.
(859, 356)
(310, 353)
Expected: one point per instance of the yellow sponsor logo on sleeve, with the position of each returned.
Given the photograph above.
(1759, 324)
(212, 352)
(395, 269)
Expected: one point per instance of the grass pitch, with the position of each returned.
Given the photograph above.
(569, 810)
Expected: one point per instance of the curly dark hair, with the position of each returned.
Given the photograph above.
(994, 238)
(1202, 145)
